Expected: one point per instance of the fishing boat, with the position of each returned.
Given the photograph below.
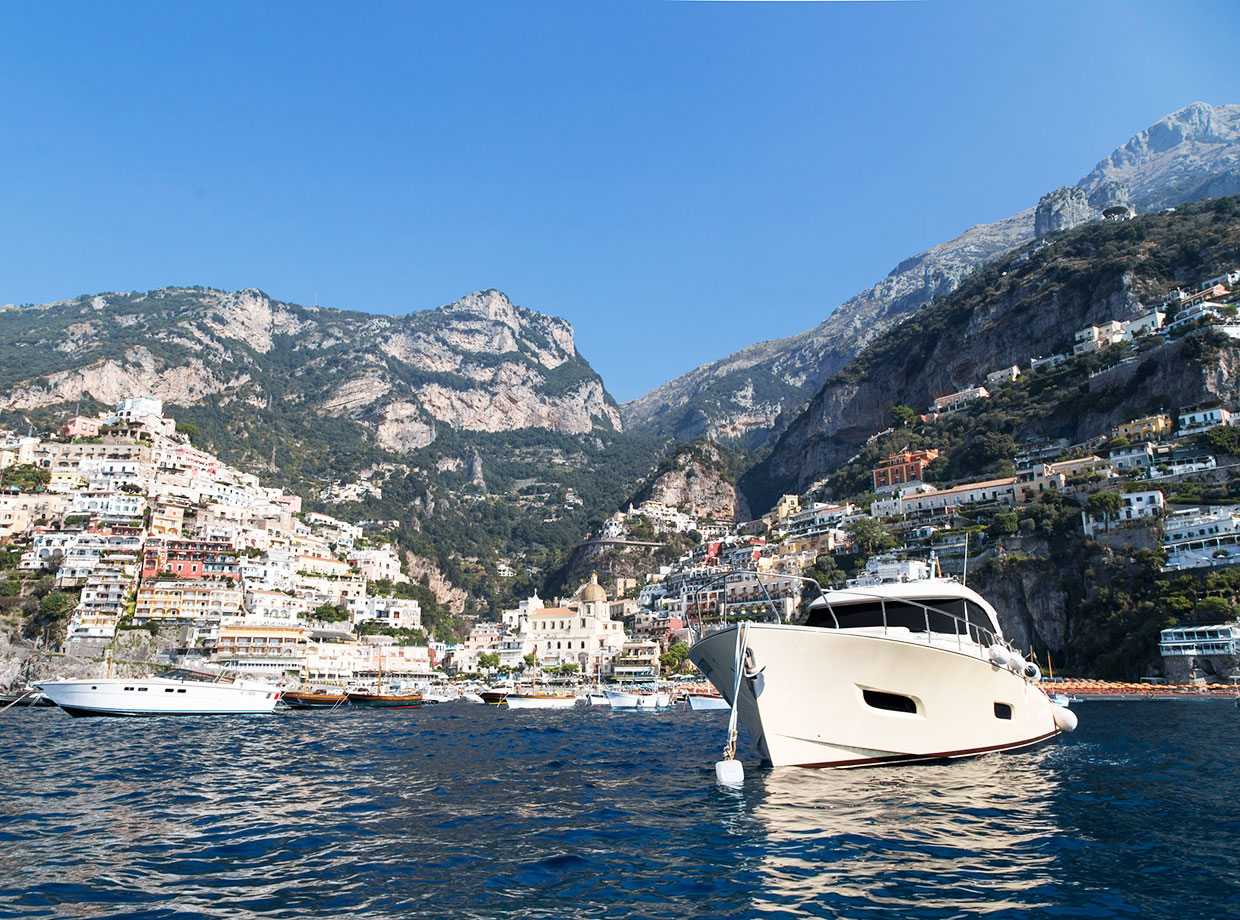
(377, 700)
(396, 699)
(882, 671)
(536, 699)
(184, 693)
(314, 699)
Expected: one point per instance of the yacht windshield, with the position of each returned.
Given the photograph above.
(942, 615)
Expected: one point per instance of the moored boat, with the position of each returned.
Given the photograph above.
(314, 699)
(178, 693)
(701, 702)
(25, 698)
(367, 700)
(910, 670)
(637, 699)
(540, 700)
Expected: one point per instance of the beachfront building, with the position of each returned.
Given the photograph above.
(1201, 654)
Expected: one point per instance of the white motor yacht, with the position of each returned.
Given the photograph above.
(634, 699)
(882, 673)
(540, 700)
(178, 693)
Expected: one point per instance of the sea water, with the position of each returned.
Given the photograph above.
(463, 811)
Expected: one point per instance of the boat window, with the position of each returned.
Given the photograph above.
(946, 615)
(892, 702)
(127, 688)
(1003, 711)
(142, 689)
(168, 689)
(182, 690)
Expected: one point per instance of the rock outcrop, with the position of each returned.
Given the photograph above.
(1062, 209)
(694, 480)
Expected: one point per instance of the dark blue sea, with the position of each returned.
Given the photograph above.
(460, 811)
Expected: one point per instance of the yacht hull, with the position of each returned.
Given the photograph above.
(541, 701)
(837, 698)
(625, 699)
(159, 697)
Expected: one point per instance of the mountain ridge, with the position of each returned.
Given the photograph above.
(1191, 152)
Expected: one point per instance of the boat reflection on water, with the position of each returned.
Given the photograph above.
(950, 839)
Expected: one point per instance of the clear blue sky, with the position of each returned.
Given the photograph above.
(677, 179)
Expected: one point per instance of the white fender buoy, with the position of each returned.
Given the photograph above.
(729, 773)
(1032, 673)
(1065, 718)
(1016, 663)
(999, 655)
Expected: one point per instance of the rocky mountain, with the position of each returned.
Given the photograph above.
(1023, 306)
(477, 430)
(479, 364)
(755, 393)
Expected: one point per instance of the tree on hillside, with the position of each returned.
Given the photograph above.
(869, 537)
(1106, 503)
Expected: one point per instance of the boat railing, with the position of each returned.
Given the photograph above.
(962, 627)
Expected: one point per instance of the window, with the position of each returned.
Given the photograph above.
(1003, 711)
(891, 702)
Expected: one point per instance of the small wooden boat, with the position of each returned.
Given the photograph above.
(494, 697)
(314, 699)
(385, 700)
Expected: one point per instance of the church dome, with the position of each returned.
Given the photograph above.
(592, 591)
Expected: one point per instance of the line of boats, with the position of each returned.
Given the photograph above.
(185, 692)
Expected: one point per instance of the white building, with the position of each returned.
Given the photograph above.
(955, 401)
(1003, 375)
(1095, 338)
(1204, 419)
(390, 611)
(378, 564)
(1201, 537)
(1134, 506)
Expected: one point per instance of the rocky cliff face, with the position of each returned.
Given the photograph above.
(1062, 209)
(481, 364)
(1188, 154)
(1024, 307)
(694, 481)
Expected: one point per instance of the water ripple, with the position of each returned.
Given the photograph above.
(471, 812)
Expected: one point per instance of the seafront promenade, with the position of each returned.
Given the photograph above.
(1113, 690)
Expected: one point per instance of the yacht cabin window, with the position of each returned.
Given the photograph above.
(945, 614)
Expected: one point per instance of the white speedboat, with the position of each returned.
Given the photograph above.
(179, 693)
(539, 700)
(882, 673)
(702, 702)
(634, 699)
(597, 698)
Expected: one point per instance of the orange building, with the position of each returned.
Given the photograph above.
(903, 466)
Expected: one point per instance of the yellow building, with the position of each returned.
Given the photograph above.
(1152, 427)
(187, 599)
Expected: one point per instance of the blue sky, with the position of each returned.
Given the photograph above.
(677, 179)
